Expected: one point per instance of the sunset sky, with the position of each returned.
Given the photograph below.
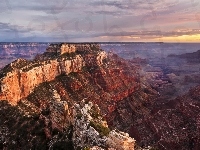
(100, 20)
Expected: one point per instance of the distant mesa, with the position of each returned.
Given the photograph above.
(190, 57)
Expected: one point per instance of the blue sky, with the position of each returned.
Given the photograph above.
(100, 20)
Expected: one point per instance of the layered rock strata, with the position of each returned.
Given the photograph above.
(18, 80)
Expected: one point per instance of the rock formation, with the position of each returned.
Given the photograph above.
(21, 77)
(190, 57)
(120, 140)
(50, 90)
(77, 96)
(90, 130)
(67, 48)
(71, 47)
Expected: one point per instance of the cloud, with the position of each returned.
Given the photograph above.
(81, 20)
(116, 4)
(8, 31)
(7, 27)
(151, 34)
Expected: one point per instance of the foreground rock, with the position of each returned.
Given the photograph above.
(90, 130)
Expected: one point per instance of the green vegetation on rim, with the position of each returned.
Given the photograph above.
(79, 115)
(94, 112)
(86, 148)
(103, 131)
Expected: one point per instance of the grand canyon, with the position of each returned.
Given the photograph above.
(116, 96)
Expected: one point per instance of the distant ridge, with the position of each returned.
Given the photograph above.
(190, 57)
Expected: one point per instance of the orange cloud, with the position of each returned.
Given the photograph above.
(183, 38)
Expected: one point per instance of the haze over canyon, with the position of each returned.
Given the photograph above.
(96, 96)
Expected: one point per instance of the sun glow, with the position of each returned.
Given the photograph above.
(183, 38)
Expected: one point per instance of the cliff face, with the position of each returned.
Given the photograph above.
(102, 84)
(21, 79)
(50, 86)
(19, 83)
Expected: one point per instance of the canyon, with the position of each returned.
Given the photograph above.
(49, 87)
(24, 76)
(9, 52)
(79, 90)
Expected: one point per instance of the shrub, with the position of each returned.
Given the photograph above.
(73, 74)
(31, 66)
(79, 115)
(68, 56)
(94, 112)
(85, 69)
(153, 148)
(103, 131)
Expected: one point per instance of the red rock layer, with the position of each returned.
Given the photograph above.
(19, 83)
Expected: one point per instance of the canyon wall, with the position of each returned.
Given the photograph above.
(20, 82)
(67, 48)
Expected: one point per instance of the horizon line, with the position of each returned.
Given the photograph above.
(105, 42)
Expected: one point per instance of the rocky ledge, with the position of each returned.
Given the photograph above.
(18, 79)
(44, 99)
(91, 130)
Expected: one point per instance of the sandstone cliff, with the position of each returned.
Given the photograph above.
(20, 77)
(49, 87)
